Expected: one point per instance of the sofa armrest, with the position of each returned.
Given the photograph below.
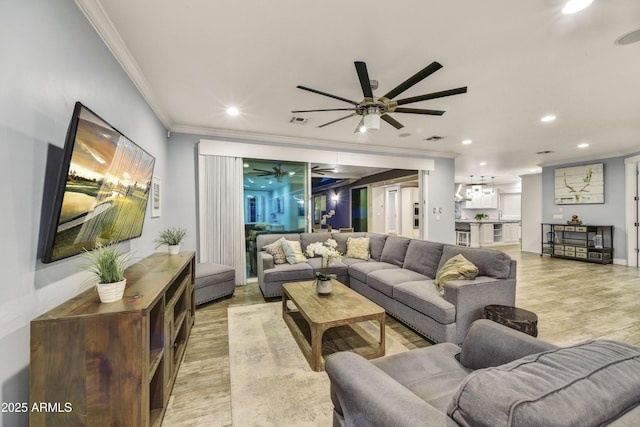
(364, 395)
(264, 262)
(490, 344)
(471, 296)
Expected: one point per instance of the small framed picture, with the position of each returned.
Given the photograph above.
(156, 194)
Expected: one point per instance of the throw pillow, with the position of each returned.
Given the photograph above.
(457, 267)
(358, 247)
(276, 251)
(293, 250)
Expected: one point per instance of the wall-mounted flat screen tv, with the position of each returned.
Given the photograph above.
(102, 191)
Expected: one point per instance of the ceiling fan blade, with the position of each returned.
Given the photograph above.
(360, 124)
(433, 95)
(337, 120)
(326, 109)
(363, 76)
(393, 122)
(419, 111)
(327, 94)
(417, 77)
(263, 171)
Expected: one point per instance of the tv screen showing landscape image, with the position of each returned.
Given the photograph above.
(103, 189)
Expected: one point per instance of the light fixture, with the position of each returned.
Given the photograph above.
(371, 120)
(233, 111)
(548, 118)
(583, 145)
(573, 6)
(467, 142)
(483, 163)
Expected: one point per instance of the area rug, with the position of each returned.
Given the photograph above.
(271, 381)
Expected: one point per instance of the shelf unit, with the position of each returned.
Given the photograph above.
(591, 243)
(115, 363)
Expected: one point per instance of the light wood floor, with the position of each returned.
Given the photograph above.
(574, 301)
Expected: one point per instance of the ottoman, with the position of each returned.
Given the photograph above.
(214, 281)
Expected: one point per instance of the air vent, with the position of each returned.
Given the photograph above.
(544, 152)
(435, 138)
(298, 120)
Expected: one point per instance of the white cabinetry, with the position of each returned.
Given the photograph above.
(481, 198)
(486, 234)
(510, 232)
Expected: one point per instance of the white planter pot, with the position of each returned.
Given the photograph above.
(174, 249)
(110, 292)
(323, 287)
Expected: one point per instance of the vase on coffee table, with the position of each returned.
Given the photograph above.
(323, 287)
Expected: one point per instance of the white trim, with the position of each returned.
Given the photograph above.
(630, 165)
(98, 18)
(317, 155)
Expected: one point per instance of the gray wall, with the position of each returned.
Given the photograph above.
(611, 212)
(441, 195)
(51, 58)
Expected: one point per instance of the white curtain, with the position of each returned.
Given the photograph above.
(221, 213)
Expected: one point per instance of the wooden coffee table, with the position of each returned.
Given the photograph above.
(313, 315)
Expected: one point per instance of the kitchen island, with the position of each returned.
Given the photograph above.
(490, 232)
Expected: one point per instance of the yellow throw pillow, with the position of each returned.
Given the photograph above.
(457, 267)
(293, 251)
(276, 251)
(358, 247)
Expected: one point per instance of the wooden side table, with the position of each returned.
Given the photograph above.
(516, 318)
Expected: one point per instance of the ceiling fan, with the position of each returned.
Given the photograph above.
(277, 172)
(320, 170)
(373, 108)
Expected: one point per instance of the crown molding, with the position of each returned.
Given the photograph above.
(98, 18)
(281, 140)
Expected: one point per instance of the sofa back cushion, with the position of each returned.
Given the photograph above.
(490, 262)
(589, 384)
(307, 238)
(423, 257)
(341, 240)
(395, 248)
(376, 244)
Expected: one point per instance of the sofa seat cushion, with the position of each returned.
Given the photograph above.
(289, 273)
(361, 270)
(336, 267)
(423, 296)
(385, 280)
(588, 384)
(350, 261)
(432, 373)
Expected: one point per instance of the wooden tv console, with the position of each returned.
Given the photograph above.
(114, 364)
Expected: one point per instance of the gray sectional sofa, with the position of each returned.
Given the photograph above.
(399, 276)
(498, 377)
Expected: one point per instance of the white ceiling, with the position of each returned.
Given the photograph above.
(520, 60)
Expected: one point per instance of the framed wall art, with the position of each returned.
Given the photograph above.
(579, 185)
(156, 197)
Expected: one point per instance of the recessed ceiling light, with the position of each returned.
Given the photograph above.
(233, 111)
(573, 6)
(483, 163)
(548, 118)
(467, 142)
(583, 145)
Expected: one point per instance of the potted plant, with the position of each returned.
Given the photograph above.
(481, 216)
(107, 264)
(172, 237)
(329, 254)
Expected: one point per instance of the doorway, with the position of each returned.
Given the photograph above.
(359, 208)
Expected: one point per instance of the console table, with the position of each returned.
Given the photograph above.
(115, 364)
(582, 242)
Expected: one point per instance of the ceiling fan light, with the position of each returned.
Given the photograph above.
(372, 122)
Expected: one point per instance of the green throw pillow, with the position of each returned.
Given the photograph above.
(293, 251)
(358, 247)
(457, 267)
(276, 251)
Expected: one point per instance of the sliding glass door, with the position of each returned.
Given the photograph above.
(275, 201)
